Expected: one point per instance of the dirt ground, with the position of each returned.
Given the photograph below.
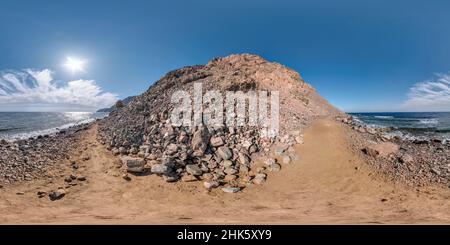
(329, 183)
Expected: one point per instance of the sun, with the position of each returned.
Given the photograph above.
(74, 65)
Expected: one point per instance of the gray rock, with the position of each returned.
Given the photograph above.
(159, 169)
(224, 153)
(193, 169)
(133, 164)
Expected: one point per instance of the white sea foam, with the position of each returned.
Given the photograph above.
(384, 117)
(50, 131)
(429, 121)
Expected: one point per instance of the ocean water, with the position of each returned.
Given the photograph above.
(411, 124)
(22, 125)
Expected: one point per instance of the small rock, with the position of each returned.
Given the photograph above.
(227, 163)
(170, 178)
(207, 176)
(41, 194)
(74, 165)
(56, 195)
(382, 149)
(230, 177)
(436, 171)
(134, 150)
(230, 171)
(159, 169)
(244, 169)
(210, 184)
(193, 169)
(133, 164)
(188, 178)
(259, 179)
(73, 177)
(224, 152)
(231, 189)
(286, 159)
(68, 179)
(244, 159)
(217, 141)
(20, 193)
(275, 167)
(171, 149)
(200, 140)
(81, 178)
(126, 177)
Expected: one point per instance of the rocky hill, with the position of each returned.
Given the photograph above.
(143, 135)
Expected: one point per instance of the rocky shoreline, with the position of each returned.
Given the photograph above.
(28, 159)
(416, 162)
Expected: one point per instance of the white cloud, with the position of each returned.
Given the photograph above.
(37, 88)
(431, 95)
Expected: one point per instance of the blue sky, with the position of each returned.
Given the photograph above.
(360, 55)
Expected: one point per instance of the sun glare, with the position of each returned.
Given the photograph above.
(74, 65)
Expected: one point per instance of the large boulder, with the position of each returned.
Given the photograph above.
(382, 149)
(200, 139)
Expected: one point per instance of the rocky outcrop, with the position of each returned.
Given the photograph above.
(222, 156)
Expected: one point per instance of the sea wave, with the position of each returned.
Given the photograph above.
(384, 117)
(50, 131)
(71, 119)
(427, 121)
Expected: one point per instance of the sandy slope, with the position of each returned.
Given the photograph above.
(329, 184)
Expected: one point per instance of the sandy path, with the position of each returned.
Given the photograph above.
(329, 184)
